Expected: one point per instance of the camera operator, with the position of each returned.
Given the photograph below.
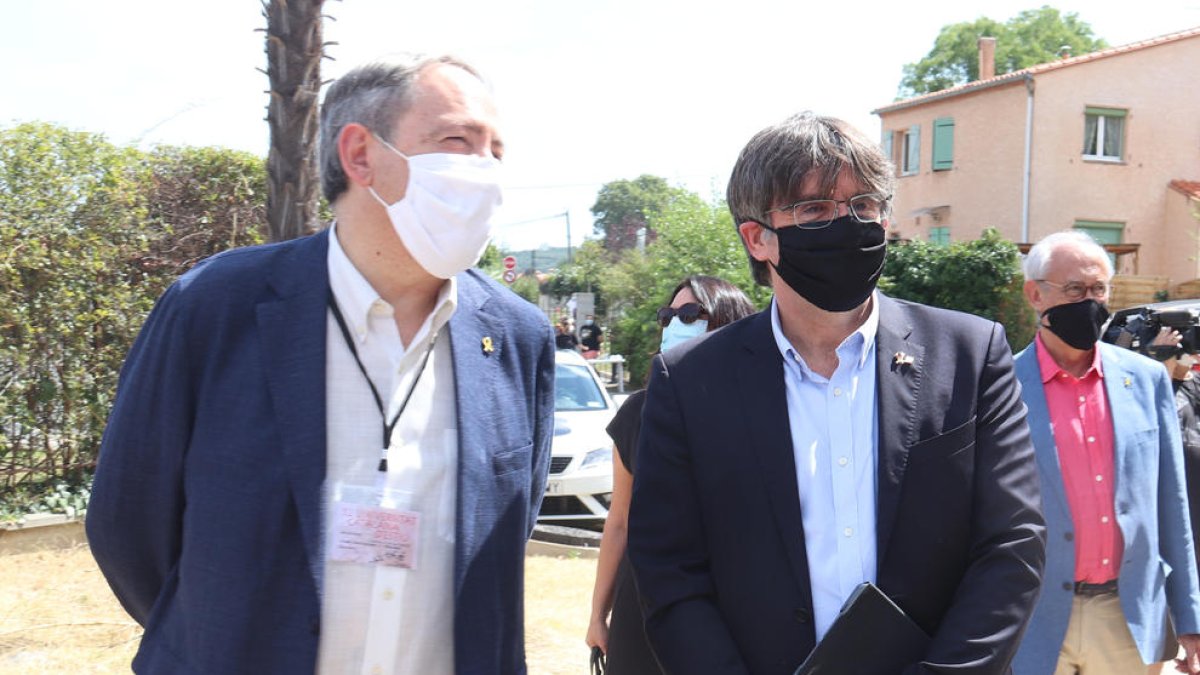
(1187, 404)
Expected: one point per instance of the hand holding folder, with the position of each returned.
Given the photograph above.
(870, 636)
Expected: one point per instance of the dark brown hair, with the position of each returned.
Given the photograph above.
(724, 302)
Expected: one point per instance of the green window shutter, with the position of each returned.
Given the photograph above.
(886, 144)
(943, 144)
(939, 236)
(1106, 112)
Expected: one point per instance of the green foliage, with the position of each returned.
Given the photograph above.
(527, 287)
(90, 235)
(583, 274)
(1032, 37)
(624, 206)
(68, 498)
(981, 277)
(693, 238)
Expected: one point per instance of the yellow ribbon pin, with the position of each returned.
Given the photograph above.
(487, 346)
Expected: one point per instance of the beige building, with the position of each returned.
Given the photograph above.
(1108, 142)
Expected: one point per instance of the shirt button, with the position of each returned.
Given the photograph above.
(1082, 399)
(849, 531)
(1091, 439)
(1104, 519)
(842, 461)
(1104, 562)
(388, 595)
(837, 391)
(1099, 478)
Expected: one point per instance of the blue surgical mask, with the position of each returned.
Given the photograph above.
(678, 332)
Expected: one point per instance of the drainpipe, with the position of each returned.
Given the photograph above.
(1028, 159)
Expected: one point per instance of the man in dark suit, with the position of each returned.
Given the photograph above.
(328, 454)
(836, 438)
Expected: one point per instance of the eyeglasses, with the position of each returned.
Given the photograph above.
(815, 214)
(1075, 291)
(687, 313)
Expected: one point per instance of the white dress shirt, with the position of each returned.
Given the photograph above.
(834, 438)
(379, 619)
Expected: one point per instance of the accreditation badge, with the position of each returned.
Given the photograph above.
(367, 526)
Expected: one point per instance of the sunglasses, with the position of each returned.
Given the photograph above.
(687, 313)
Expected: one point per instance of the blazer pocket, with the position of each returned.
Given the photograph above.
(508, 461)
(943, 445)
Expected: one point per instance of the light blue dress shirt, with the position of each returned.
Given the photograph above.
(834, 436)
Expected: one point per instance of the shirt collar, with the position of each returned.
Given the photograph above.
(862, 339)
(1049, 367)
(355, 296)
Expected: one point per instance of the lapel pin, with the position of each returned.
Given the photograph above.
(488, 348)
(1128, 383)
(902, 359)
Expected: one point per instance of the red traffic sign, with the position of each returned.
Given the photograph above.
(509, 276)
(510, 262)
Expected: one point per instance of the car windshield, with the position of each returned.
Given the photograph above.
(574, 389)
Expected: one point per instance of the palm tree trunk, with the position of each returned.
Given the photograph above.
(294, 50)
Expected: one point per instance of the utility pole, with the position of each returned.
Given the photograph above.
(567, 215)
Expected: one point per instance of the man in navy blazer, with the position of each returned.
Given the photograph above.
(242, 492)
(838, 437)
(1120, 576)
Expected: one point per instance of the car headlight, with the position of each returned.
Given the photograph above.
(597, 456)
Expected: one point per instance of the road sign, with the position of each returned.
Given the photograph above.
(509, 276)
(510, 262)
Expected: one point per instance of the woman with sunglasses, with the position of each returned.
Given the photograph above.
(699, 304)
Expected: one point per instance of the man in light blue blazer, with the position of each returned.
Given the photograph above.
(328, 454)
(1120, 579)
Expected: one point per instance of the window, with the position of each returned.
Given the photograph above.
(943, 144)
(886, 144)
(1104, 133)
(939, 236)
(911, 162)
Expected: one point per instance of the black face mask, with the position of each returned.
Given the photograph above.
(835, 267)
(1077, 323)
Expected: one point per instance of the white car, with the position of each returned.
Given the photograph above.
(580, 483)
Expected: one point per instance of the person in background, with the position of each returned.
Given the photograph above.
(1120, 573)
(564, 336)
(590, 336)
(699, 304)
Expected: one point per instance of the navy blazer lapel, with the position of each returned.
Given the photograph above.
(477, 343)
(762, 389)
(900, 365)
(292, 331)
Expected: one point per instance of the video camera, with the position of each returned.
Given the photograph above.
(1135, 328)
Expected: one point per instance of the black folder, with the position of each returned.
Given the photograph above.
(870, 636)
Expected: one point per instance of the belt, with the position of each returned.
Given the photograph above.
(1091, 590)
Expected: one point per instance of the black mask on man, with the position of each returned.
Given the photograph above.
(1077, 323)
(835, 267)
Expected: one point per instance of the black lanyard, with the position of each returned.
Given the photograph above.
(387, 426)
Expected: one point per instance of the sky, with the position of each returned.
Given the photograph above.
(589, 92)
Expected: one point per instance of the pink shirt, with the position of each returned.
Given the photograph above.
(1083, 433)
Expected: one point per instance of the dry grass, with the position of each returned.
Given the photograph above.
(57, 615)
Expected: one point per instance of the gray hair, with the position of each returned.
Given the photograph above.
(373, 95)
(773, 166)
(1038, 258)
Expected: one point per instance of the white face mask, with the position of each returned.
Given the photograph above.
(445, 216)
